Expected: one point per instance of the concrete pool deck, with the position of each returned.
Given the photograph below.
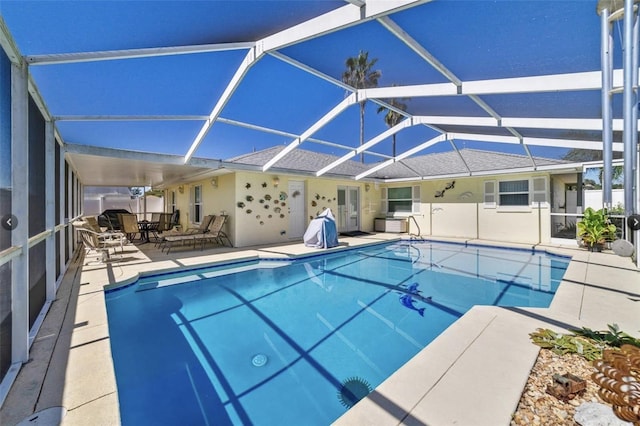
(472, 374)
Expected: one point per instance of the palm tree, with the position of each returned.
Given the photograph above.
(361, 75)
(391, 118)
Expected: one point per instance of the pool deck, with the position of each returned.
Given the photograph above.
(472, 374)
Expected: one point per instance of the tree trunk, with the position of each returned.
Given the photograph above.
(393, 145)
(362, 130)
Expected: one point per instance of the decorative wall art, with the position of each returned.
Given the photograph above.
(275, 201)
(450, 185)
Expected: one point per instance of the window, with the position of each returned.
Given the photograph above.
(172, 201)
(401, 200)
(196, 203)
(513, 193)
(522, 192)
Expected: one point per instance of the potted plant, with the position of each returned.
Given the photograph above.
(595, 229)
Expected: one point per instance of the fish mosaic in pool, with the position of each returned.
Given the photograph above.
(300, 342)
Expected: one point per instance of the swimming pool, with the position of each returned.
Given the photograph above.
(276, 342)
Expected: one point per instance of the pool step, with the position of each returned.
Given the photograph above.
(216, 272)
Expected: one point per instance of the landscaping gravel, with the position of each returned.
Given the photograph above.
(537, 407)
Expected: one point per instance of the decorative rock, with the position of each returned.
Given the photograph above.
(622, 248)
(595, 414)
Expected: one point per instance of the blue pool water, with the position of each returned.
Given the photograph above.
(275, 342)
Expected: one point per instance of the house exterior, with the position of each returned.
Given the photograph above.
(462, 194)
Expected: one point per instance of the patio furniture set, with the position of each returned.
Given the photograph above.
(162, 228)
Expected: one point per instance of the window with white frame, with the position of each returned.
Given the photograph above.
(522, 192)
(196, 203)
(402, 200)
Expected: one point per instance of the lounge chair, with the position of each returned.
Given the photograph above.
(215, 234)
(212, 232)
(189, 232)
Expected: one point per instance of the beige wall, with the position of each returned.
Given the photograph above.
(459, 211)
(254, 224)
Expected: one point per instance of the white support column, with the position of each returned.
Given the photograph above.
(629, 103)
(63, 231)
(67, 219)
(50, 208)
(20, 209)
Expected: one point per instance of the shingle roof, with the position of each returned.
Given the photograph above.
(300, 160)
(446, 163)
(443, 163)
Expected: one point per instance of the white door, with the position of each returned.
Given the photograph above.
(297, 215)
(348, 219)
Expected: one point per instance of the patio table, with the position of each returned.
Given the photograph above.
(146, 226)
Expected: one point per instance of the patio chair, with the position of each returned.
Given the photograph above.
(165, 222)
(91, 223)
(94, 225)
(92, 241)
(175, 219)
(129, 225)
(215, 234)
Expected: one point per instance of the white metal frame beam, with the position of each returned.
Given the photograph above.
(329, 22)
(346, 102)
(250, 59)
(402, 156)
(521, 85)
(50, 212)
(110, 55)
(8, 44)
(335, 20)
(382, 136)
(20, 209)
(519, 122)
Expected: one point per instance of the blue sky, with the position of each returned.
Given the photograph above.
(479, 39)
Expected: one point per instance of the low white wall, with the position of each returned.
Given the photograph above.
(527, 225)
(457, 220)
(472, 220)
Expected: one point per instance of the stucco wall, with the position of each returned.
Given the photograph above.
(260, 222)
(458, 211)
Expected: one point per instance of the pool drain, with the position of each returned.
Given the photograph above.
(259, 360)
(353, 390)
